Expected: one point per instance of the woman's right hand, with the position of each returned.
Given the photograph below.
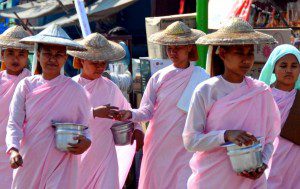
(124, 115)
(106, 111)
(16, 159)
(239, 137)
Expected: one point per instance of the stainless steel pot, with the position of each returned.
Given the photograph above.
(65, 133)
(244, 158)
(122, 132)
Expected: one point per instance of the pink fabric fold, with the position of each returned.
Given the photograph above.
(43, 101)
(8, 84)
(250, 108)
(165, 160)
(102, 166)
(284, 170)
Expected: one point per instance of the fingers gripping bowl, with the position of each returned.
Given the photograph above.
(65, 133)
(244, 158)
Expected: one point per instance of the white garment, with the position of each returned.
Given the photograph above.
(196, 121)
(199, 75)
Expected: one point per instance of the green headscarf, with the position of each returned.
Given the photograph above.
(267, 74)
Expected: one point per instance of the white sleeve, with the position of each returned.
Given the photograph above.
(267, 152)
(17, 112)
(125, 105)
(145, 112)
(194, 137)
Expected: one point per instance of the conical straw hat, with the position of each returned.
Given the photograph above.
(53, 35)
(176, 33)
(98, 49)
(12, 36)
(235, 31)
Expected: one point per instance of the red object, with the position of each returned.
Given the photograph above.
(241, 9)
(267, 51)
(181, 8)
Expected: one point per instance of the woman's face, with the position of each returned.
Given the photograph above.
(237, 59)
(179, 54)
(52, 58)
(15, 60)
(287, 70)
(93, 69)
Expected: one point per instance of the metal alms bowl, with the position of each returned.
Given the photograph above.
(244, 158)
(65, 133)
(122, 132)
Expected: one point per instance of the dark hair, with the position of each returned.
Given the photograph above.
(217, 64)
(39, 69)
(39, 47)
(118, 31)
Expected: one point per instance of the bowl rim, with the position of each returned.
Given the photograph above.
(229, 144)
(57, 124)
(118, 123)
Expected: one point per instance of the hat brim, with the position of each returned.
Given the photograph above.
(242, 38)
(14, 44)
(163, 38)
(71, 45)
(112, 52)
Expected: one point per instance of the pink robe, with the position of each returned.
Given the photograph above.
(284, 171)
(8, 84)
(249, 107)
(165, 160)
(99, 165)
(37, 102)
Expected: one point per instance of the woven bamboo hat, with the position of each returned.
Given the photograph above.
(235, 31)
(176, 33)
(53, 35)
(12, 36)
(98, 49)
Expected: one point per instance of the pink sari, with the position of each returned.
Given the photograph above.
(250, 108)
(59, 99)
(284, 170)
(100, 166)
(8, 84)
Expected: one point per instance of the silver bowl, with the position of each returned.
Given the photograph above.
(65, 133)
(122, 132)
(244, 158)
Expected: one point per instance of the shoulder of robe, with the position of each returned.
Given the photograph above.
(108, 82)
(207, 85)
(260, 84)
(76, 78)
(76, 86)
(31, 79)
(162, 72)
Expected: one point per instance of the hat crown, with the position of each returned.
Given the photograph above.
(177, 28)
(16, 32)
(95, 40)
(236, 25)
(55, 31)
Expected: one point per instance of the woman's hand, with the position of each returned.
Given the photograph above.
(254, 174)
(239, 137)
(138, 135)
(16, 159)
(82, 145)
(123, 115)
(105, 111)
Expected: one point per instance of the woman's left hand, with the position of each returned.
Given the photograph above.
(254, 174)
(82, 145)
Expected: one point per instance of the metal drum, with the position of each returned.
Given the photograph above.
(122, 132)
(65, 133)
